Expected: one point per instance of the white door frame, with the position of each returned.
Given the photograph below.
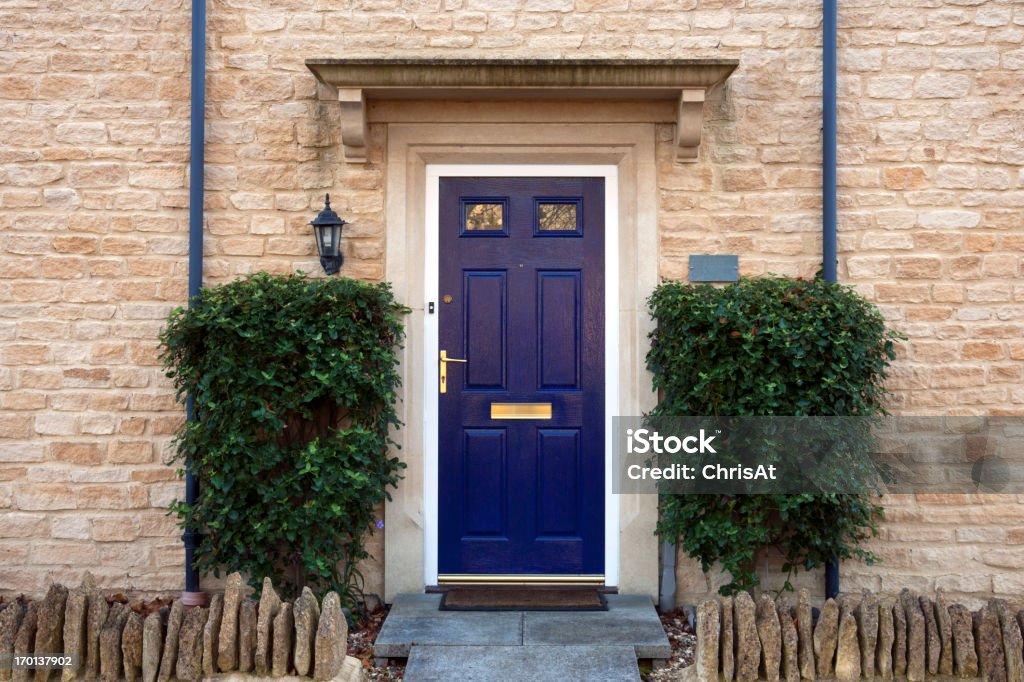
(430, 346)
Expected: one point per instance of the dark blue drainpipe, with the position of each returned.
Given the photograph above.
(828, 152)
(828, 191)
(197, 140)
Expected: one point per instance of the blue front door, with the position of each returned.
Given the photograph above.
(521, 423)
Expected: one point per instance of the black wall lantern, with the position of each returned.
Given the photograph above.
(327, 230)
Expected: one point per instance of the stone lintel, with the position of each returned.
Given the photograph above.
(682, 80)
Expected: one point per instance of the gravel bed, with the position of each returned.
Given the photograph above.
(360, 645)
(684, 643)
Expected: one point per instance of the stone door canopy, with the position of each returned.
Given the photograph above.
(683, 80)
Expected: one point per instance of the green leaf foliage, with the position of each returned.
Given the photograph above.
(768, 346)
(294, 383)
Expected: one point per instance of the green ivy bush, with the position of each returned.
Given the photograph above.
(768, 346)
(294, 383)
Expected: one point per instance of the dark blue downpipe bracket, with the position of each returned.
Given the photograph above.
(197, 144)
(829, 28)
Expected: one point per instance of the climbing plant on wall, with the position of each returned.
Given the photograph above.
(768, 346)
(294, 382)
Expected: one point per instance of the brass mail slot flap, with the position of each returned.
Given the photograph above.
(520, 410)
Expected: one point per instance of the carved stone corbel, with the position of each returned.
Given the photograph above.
(689, 124)
(353, 124)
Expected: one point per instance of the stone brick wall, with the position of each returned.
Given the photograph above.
(94, 113)
(93, 168)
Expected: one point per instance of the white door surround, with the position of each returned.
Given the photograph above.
(430, 330)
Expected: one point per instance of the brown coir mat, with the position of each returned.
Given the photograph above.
(524, 599)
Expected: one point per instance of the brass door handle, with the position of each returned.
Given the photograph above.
(443, 370)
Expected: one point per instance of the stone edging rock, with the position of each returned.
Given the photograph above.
(866, 636)
(233, 640)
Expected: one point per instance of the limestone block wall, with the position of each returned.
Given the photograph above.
(94, 109)
(93, 201)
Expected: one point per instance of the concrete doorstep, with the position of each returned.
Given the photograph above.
(522, 645)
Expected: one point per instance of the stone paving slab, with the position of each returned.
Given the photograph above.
(522, 664)
(417, 605)
(629, 620)
(414, 619)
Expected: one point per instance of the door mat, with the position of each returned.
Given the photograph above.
(525, 599)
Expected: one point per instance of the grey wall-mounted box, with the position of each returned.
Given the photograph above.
(704, 268)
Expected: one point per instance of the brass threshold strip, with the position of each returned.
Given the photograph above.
(478, 579)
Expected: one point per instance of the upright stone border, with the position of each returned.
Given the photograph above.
(24, 641)
(1013, 643)
(331, 639)
(899, 621)
(728, 644)
(282, 638)
(770, 634)
(270, 604)
(886, 638)
(826, 636)
(915, 636)
(988, 637)
(169, 659)
(965, 656)
(211, 635)
(748, 646)
(848, 657)
(131, 647)
(945, 634)
(307, 616)
(857, 637)
(933, 645)
(805, 634)
(111, 657)
(95, 621)
(75, 615)
(10, 622)
(246, 635)
(867, 618)
(50, 630)
(178, 644)
(153, 644)
(790, 644)
(189, 667)
(709, 628)
(227, 638)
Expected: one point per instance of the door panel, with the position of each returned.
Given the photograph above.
(559, 331)
(558, 456)
(522, 301)
(484, 464)
(485, 328)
